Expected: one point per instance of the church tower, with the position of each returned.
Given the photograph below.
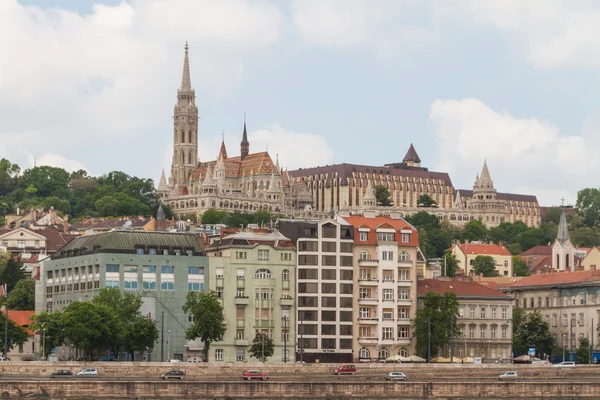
(563, 251)
(244, 145)
(185, 129)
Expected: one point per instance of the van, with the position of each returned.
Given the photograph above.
(349, 369)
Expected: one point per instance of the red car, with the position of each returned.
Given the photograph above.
(345, 369)
(249, 375)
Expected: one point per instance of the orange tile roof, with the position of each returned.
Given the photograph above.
(257, 163)
(459, 287)
(484, 249)
(21, 318)
(389, 223)
(538, 251)
(539, 265)
(557, 278)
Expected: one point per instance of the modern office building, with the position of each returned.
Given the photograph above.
(161, 267)
(325, 282)
(385, 285)
(254, 274)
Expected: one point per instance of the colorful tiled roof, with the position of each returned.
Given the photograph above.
(462, 288)
(466, 193)
(256, 163)
(21, 318)
(377, 222)
(557, 278)
(538, 251)
(484, 249)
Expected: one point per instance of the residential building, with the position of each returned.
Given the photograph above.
(161, 267)
(538, 258)
(36, 218)
(466, 253)
(591, 262)
(385, 285)
(255, 276)
(568, 301)
(25, 351)
(485, 318)
(325, 287)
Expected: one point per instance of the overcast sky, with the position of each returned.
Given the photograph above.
(92, 84)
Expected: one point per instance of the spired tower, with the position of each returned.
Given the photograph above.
(484, 203)
(185, 129)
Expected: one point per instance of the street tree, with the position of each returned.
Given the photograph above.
(382, 196)
(22, 297)
(532, 329)
(141, 335)
(16, 334)
(485, 265)
(209, 321)
(11, 271)
(520, 267)
(89, 326)
(262, 347)
(582, 354)
(431, 325)
(450, 264)
(50, 328)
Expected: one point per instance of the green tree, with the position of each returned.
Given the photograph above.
(582, 354)
(262, 347)
(514, 248)
(48, 181)
(50, 327)
(518, 346)
(262, 217)
(209, 321)
(450, 264)
(89, 326)
(11, 272)
(382, 195)
(8, 176)
(485, 265)
(532, 329)
(553, 215)
(585, 237)
(141, 334)
(588, 204)
(16, 334)
(22, 297)
(473, 230)
(436, 316)
(520, 266)
(425, 201)
(213, 216)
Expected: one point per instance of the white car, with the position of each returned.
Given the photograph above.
(88, 372)
(396, 376)
(564, 364)
(508, 376)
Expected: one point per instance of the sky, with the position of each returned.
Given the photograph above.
(91, 84)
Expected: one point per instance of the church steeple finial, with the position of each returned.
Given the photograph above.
(186, 83)
(245, 144)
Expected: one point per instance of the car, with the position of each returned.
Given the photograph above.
(508, 376)
(396, 376)
(173, 374)
(564, 364)
(61, 373)
(174, 360)
(348, 369)
(257, 375)
(88, 372)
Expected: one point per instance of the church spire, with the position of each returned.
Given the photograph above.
(563, 228)
(485, 180)
(244, 145)
(186, 84)
(412, 158)
(223, 150)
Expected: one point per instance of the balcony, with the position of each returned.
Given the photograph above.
(405, 264)
(368, 263)
(263, 323)
(368, 340)
(286, 301)
(241, 342)
(404, 321)
(368, 300)
(242, 300)
(404, 284)
(368, 282)
(368, 321)
(387, 280)
(404, 302)
(263, 303)
(403, 341)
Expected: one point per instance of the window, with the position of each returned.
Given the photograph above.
(346, 247)
(195, 286)
(329, 247)
(385, 237)
(152, 251)
(262, 273)
(504, 312)
(404, 256)
(388, 314)
(285, 275)
(328, 302)
(364, 353)
(329, 261)
(364, 255)
(388, 294)
(139, 251)
(263, 255)
(403, 294)
(165, 252)
(167, 286)
(346, 275)
(328, 329)
(195, 271)
(241, 255)
(149, 269)
(387, 333)
(328, 316)
(346, 302)
(308, 260)
(472, 332)
(149, 286)
(483, 312)
(191, 319)
(364, 293)
(493, 332)
(308, 246)
(329, 231)
(493, 312)
(405, 237)
(554, 320)
(166, 269)
(482, 330)
(387, 255)
(403, 332)
(240, 292)
(219, 273)
(328, 287)
(383, 353)
(363, 236)
(364, 312)
(219, 292)
(21, 244)
(131, 285)
(471, 312)
(565, 319)
(37, 244)
(112, 268)
(112, 284)
(461, 312)
(219, 354)
(130, 269)
(404, 275)
(582, 299)
(403, 313)
(308, 274)
(504, 332)
(286, 256)
(328, 274)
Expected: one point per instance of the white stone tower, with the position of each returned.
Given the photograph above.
(563, 251)
(185, 129)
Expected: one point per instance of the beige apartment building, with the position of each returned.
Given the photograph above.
(385, 284)
(485, 318)
(466, 253)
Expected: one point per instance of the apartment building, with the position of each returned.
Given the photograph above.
(255, 275)
(385, 284)
(485, 318)
(161, 267)
(466, 253)
(325, 287)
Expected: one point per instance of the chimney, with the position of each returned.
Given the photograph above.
(52, 213)
(65, 224)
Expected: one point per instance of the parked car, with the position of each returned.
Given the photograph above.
(396, 376)
(249, 375)
(564, 364)
(508, 376)
(349, 369)
(173, 374)
(88, 372)
(61, 373)
(174, 360)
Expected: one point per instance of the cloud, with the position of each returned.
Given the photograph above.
(71, 83)
(525, 155)
(551, 33)
(58, 161)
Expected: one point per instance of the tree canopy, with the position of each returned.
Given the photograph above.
(262, 347)
(531, 329)
(485, 265)
(382, 195)
(209, 321)
(22, 297)
(16, 334)
(434, 319)
(425, 200)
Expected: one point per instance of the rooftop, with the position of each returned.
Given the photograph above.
(483, 249)
(556, 278)
(462, 288)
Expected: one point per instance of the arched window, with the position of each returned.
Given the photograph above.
(182, 136)
(285, 275)
(404, 256)
(190, 158)
(364, 353)
(364, 255)
(182, 158)
(403, 352)
(190, 136)
(383, 353)
(262, 274)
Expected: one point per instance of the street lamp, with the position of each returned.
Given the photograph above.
(168, 344)
(564, 340)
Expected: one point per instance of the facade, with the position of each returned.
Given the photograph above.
(538, 258)
(466, 253)
(568, 301)
(26, 351)
(343, 187)
(254, 273)
(325, 280)
(591, 262)
(245, 183)
(563, 251)
(485, 318)
(161, 267)
(385, 284)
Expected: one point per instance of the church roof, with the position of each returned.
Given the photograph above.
(256, 163)
(162, 185)
(411, 155)
(563, 228)
(467, 193)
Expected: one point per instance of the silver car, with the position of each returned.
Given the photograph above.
(88, 372)
(564, 364)
(508, 376)
(396, 376)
